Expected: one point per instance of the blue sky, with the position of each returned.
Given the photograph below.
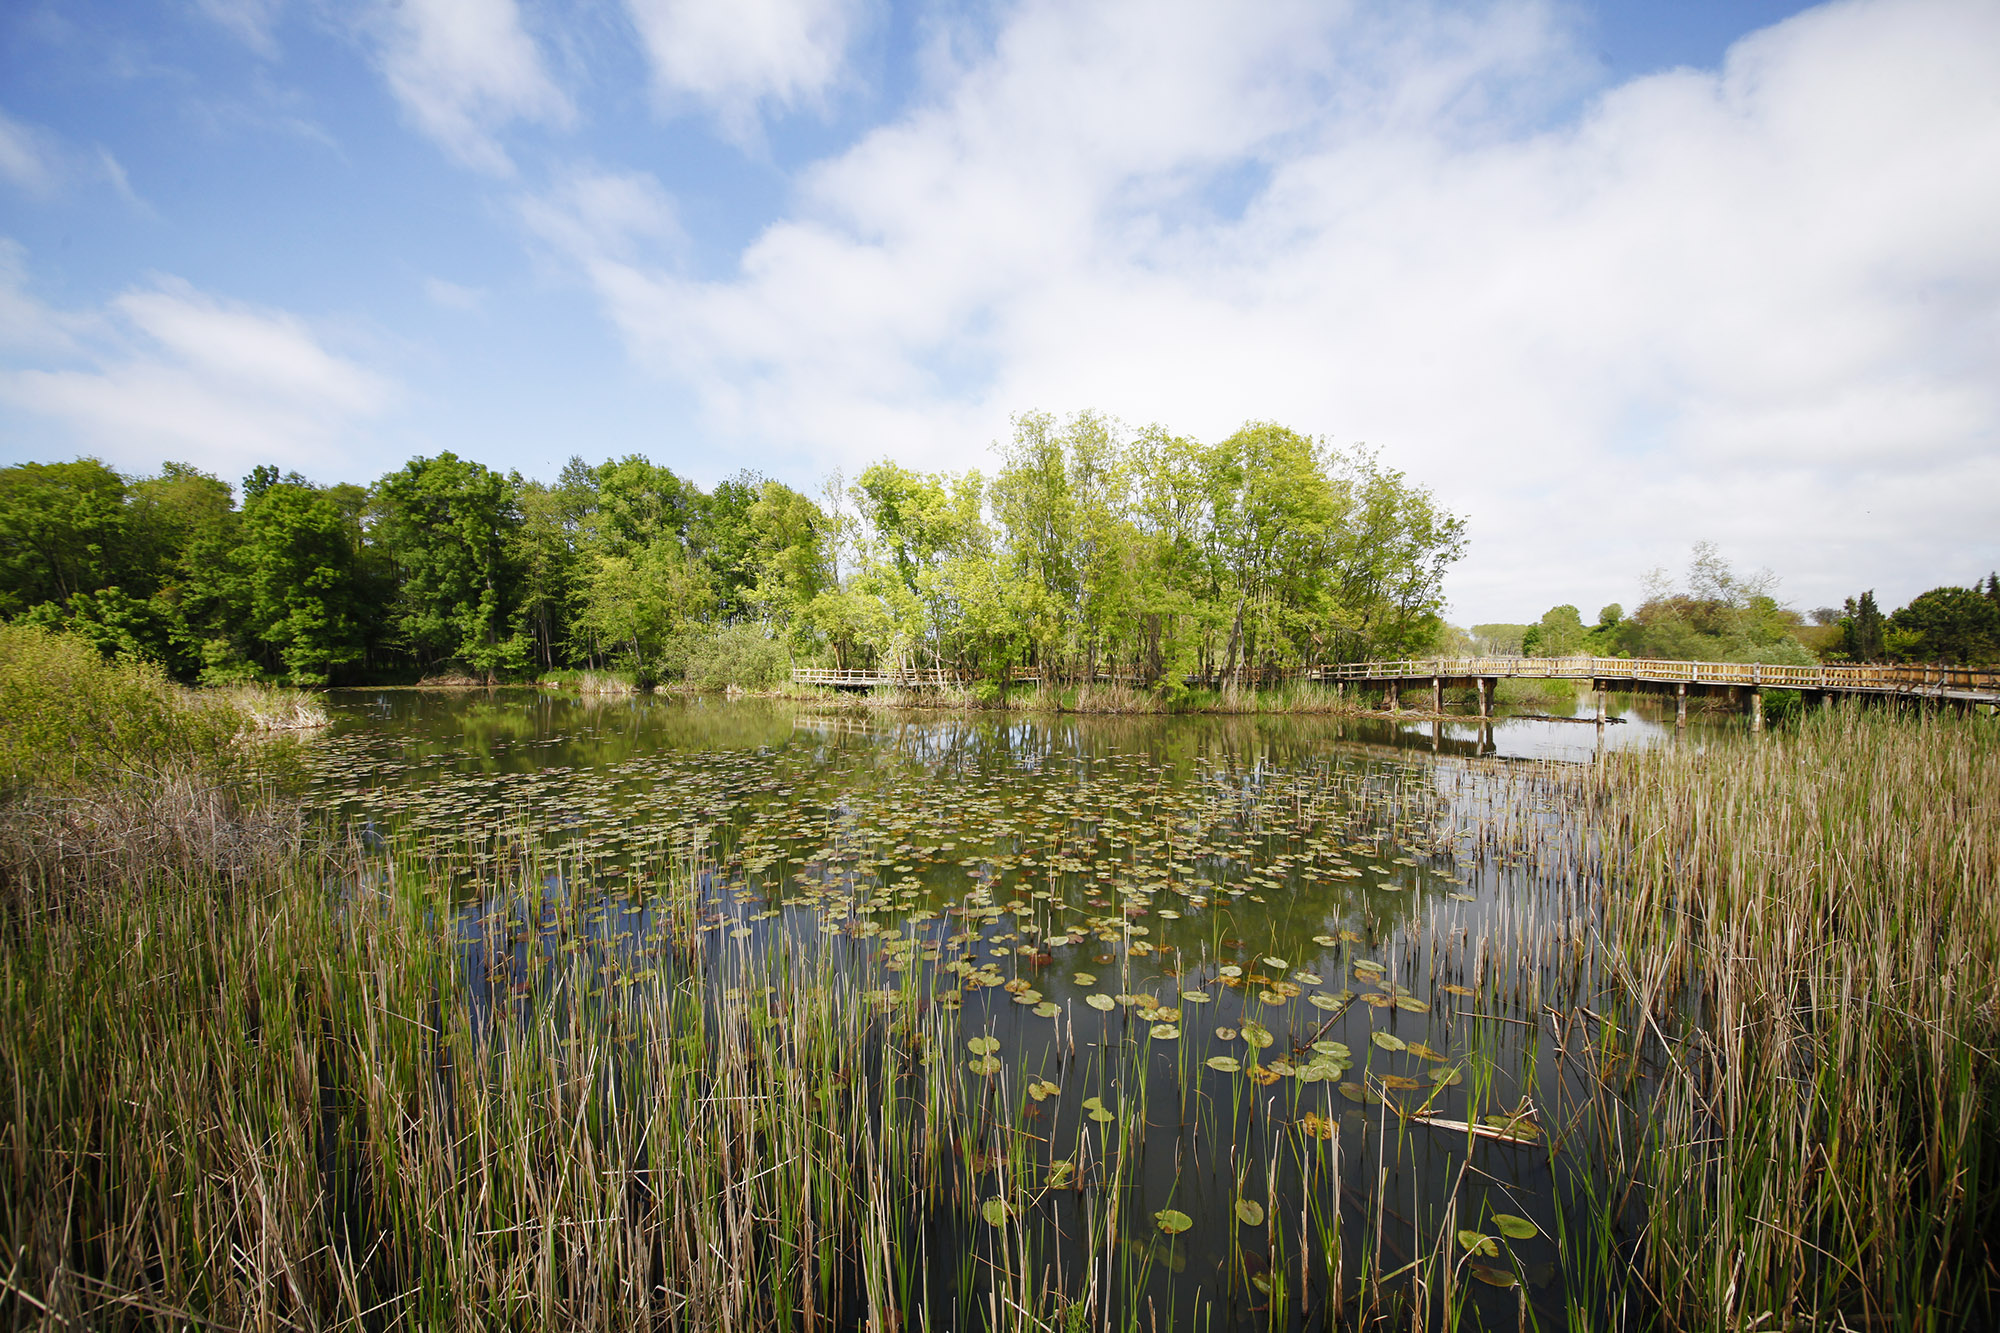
(1610, 278)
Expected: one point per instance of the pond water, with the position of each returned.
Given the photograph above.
(1320, 988)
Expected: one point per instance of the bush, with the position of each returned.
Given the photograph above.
(71, 721)
(739, 655)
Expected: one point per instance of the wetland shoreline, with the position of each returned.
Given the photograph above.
(707, 1016)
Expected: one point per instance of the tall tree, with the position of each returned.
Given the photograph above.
(63, 530)
(448, 528)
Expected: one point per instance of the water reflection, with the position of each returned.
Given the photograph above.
(1315, 952)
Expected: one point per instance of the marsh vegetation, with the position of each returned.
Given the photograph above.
(534, 1011)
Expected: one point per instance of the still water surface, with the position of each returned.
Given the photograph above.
(1324, 982)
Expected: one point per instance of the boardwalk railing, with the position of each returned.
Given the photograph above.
(1876, 679)
(1916, 680)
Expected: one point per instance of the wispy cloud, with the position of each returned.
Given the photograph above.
(28, 156)
(462, 70)
(168, 370)
(44, 165)
(1753, 304)
(453, 296)
(736, 59)
(251, 21)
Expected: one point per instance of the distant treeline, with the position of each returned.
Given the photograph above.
(1089, 550)
(1717, 615)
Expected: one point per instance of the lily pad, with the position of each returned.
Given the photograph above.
(1172, 1222)
(1278, 963)
(1388, 1041)
(1315, 1125)
(1325, 941)
(1257, 1036)
(985, 1066)
(1479, 1244)
(1042, 1088)
(1249, 1212)
(1515, 1228)
(996, 1212)
(1047, 1009)
(1323, 1001)
(1100, 1001)
(983, 1045)
(1494, 1277)
(1166, 1031)
(1228, 1064)
(1084, 978)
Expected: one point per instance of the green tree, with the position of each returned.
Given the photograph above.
(1862, 630)
(1559, 633)
(1949, 625)
(638, 607)
(63, 530)
(302, 592)
(448, 529)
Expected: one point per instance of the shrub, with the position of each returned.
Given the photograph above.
(70, 720)
(739, 655)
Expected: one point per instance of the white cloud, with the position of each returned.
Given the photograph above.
(41, 163)
(464, 68)
(733, 58)
(453, 296)
(169, 371)
(1759, 304)
(250, 21)
(26, 155)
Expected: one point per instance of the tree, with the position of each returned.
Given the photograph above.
(1861, 630)
(638, 606)
(448, 527)
(303, 600)
(1952, 625)
(1558, 634)
(1715, 615)
(63, 530)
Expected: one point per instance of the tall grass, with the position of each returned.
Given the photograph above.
(1813, 923)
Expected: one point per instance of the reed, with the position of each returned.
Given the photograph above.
(1810, 928)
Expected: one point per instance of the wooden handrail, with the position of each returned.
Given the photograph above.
(1757, 675)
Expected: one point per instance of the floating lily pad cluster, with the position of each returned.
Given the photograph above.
(1213, 920)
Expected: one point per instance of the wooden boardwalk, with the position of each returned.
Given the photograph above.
(1746, 680)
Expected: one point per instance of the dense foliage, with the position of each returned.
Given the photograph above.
(1712, 614)
(1090, 551)
(1957, 626)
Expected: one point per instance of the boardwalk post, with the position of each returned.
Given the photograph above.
(1598, 685)
(1394, 701)
(1479, 683)
(1680, 706)
(1757, 708)
(1437, 694)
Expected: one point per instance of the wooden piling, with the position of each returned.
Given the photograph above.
(1680, 706)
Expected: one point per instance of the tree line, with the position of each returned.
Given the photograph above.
(1715, 614)
(1090, 550)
